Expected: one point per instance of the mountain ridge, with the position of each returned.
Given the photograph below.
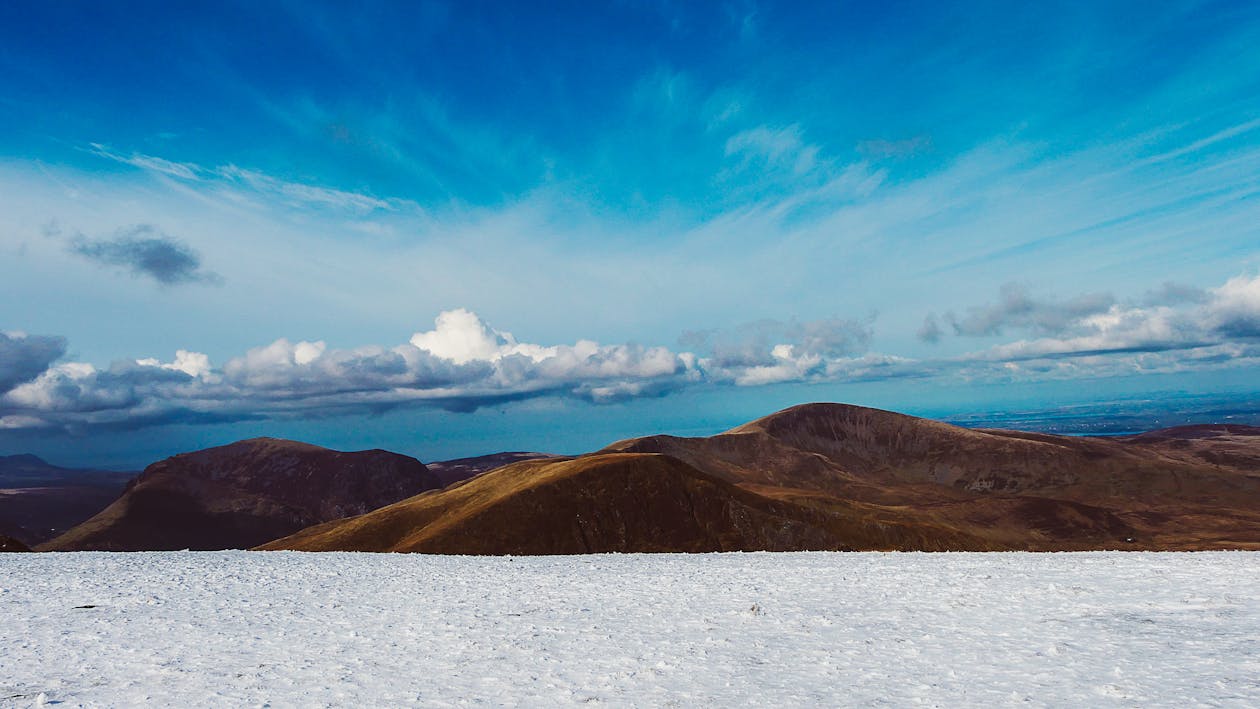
(838, 476)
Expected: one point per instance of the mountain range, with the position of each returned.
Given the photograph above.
(38, 500)
(815, 476)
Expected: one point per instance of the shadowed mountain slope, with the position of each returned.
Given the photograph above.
(39, 501)
(243, 494)
(612, 503)
(11, 544)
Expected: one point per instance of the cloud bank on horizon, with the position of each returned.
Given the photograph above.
(764, 193)
(463, 363)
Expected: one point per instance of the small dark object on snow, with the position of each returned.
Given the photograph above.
(87, 606)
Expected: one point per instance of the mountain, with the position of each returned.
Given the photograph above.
(1186, 488)
(11, 544)
(816, 476)
(244, 494)
(452, 471)
(39, 501)
(611, 503)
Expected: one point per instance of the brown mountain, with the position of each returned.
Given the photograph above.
(11, 544)
(817, 476)
(38, 500)
(1186, 488)
(243, 494)
(833, 476)
(613, 503)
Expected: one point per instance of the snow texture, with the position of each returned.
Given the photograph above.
(834, 629)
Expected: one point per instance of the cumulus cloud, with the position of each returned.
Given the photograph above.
(1198, 326)
(459, 365)
(145, 251)
(24, 357)
(772, 351)
(1234, 308)
(1016, 309)
(463, 363)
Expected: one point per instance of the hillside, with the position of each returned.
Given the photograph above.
(457, 469)
(243, 494)
(816, 476)
(38, 500)
(1196, 487)
(611, 503)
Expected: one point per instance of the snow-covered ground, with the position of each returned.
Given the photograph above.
(288, 629)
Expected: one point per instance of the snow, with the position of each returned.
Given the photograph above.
(292, 629)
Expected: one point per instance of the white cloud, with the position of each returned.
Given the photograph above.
(464, 363)
(182, 170)
(23, 357)
(1227, 315)
(461, 337)
(194, 364)
(232, 177)
(782, 147)
(461, 364)
(299, 193)
(1234, 308)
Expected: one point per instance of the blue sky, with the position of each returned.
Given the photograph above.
(686, 215)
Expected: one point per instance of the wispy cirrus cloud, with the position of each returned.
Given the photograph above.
(151, 163)
(233, 177)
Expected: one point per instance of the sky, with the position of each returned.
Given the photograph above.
(448, 229)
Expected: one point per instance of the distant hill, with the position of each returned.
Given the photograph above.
(452, 471)
(609, 503)
(39, 501)
(244, 494)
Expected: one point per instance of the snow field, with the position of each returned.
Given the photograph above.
(832, 629)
